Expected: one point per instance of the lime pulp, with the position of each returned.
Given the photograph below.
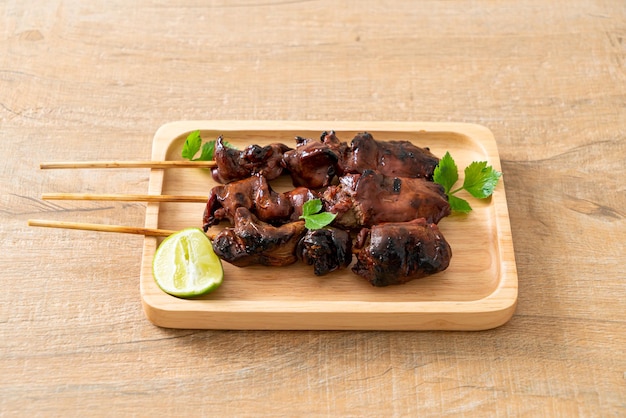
(185, 265)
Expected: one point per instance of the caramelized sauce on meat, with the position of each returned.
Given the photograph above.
(395, 253)
(251, 241)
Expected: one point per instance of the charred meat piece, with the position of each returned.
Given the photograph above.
(371, 198)
(395, 253)
(253, 193)
(392, 158)
(228, 163)
(252, 241)
(326, 249)
(312, 164)
(233, 164)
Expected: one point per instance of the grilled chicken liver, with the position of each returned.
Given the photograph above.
(370, 198)
(391, 158)
(251, 241)
(255, 194)
(312, 164)
(326, 249)
(233, 164)
(395, 253)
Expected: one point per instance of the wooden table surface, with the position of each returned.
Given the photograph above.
(95, 80)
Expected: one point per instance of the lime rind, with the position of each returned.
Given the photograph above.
(185, 264)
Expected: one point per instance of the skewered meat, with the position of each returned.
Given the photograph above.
(326, 249)
(312, 164)
(371, 198)
(395, 253)
(391, 158)
(255, 194)
(233, 164)
(315, 162)
(252, 241)
(385, 187)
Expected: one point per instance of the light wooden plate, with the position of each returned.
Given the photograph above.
(478, 291)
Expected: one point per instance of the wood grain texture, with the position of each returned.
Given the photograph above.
(83, 81)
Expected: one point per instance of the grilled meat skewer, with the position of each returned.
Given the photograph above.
(358, 200)
(387, 254)
(314, 163)
(233, 164)
(255, 194)
(251, 241)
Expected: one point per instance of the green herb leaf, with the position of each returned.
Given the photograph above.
(192, 145)
(313, 219)
(208, 150)
(480, 181)
(318, 220)
(311, 207)
(446, 173)
(459, 205)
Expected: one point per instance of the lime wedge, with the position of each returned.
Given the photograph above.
(185, 265)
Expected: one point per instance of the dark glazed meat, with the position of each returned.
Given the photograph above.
(395, 253)
(391, 158)
(252, 241)
(255, 194)
(298, 197)
(315, 162)
(372, 198)
(312, 164)
(326, 249)
(233, 164)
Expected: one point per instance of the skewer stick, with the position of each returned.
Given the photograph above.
(101, 228)
(124, 197)
(127, 164)
(151, 232)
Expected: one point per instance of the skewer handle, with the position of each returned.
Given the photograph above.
(101, 228)
(127, 164)
(123, 197)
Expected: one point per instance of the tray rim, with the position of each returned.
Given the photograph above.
(488, 312)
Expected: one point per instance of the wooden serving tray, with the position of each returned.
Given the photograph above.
(478, 290)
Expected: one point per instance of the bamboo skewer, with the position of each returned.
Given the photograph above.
(124, 197)
(83, 226)
(127, 164)
(153, 232)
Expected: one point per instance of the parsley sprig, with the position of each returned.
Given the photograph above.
(480, 181)
(313, 218)
(193, 144)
